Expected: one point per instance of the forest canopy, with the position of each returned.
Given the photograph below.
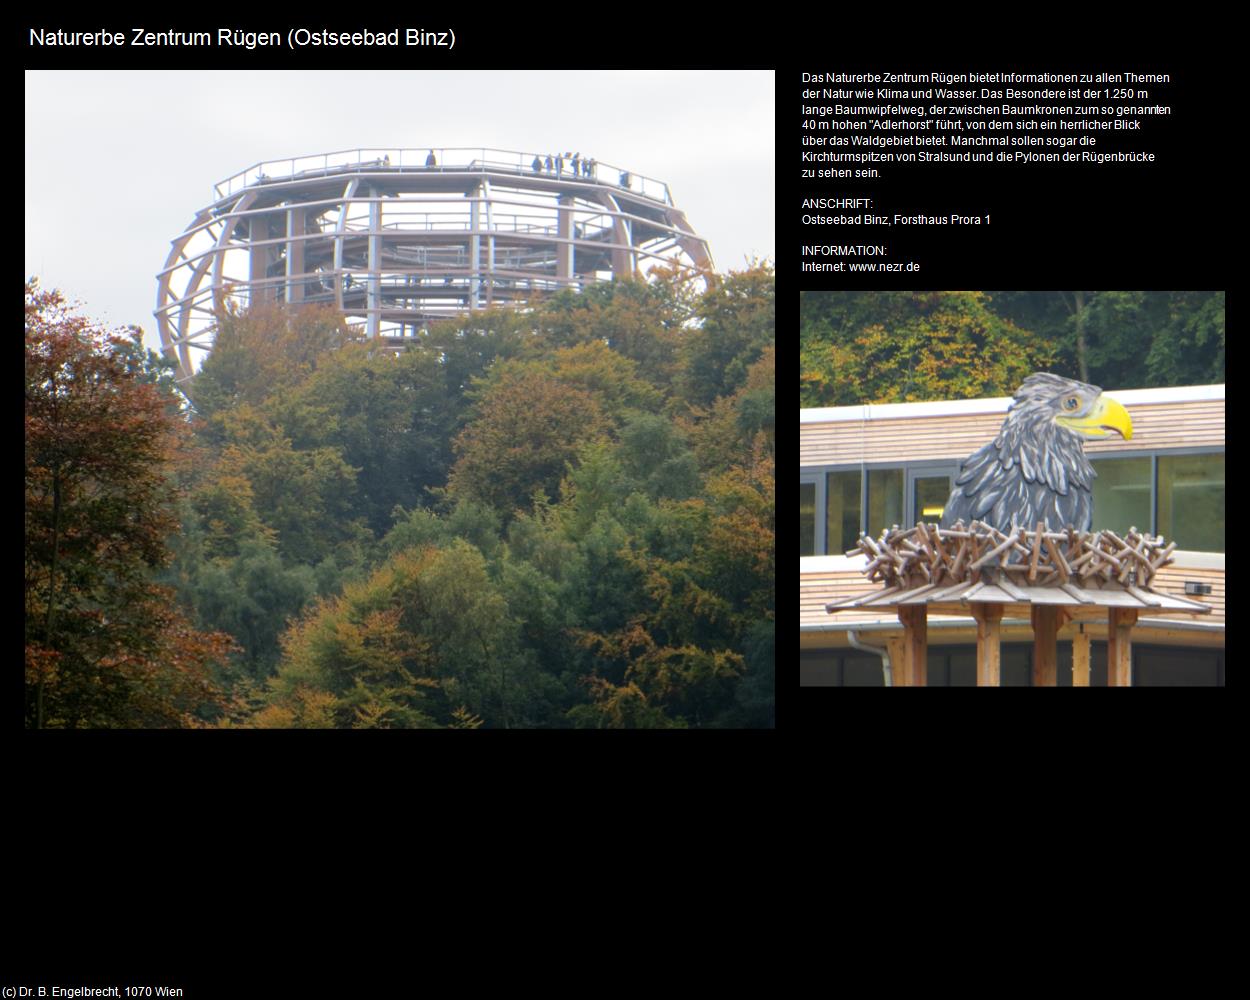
(562, 517)
(893, 347)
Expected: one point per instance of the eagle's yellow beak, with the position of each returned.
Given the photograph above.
(1106, 416)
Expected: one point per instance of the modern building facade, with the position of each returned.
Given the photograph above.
(866, 468)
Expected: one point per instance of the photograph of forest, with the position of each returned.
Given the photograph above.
(560, 517)
(899, 347)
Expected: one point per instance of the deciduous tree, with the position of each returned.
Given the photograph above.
(104, 646)
(529, 426)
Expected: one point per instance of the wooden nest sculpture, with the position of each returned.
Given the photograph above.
(1050, 578)
(928, 554)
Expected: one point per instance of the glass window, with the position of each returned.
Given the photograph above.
(932, 492)
(819, 669)
(807, 519)
(1015, 668)
(1191, 501)
(860, 670)
(1175, 667)
(885, 499)
(1122, 494)
(842, 502)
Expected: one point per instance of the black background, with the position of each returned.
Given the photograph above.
(1159, 225)
(1140, 225)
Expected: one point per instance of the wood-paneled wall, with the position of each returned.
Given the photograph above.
(1156, 426)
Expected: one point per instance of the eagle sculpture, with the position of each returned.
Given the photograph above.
(1036, 469)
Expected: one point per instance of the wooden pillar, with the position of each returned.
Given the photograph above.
(1080, 658)
(296, 225)
(915, 619)
(490, 243)
(261, 254)
(894, 647)
(564, 230)
(373, 294)
(623, 261)
(339, 229)
(989, 656)
(1045, 658)
(1119, 647)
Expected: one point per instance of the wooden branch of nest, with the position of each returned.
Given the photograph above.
(927, 554)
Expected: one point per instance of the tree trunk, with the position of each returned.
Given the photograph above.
(47, 622)
(1079, 308)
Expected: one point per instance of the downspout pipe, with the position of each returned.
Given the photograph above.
(886, 669)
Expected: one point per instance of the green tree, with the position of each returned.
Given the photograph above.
(726, 433)
(427, 634)
(679, 642)
(737, 323)
(1126, 339)
(612, 378)
(263, 351)
(635, 318)
(654, 454)
(528, 427)
(306, 498)
(252, 596)
(888, 347)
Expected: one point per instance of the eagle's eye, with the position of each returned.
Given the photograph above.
(1071, 403)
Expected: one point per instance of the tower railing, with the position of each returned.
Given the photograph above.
(446, 160)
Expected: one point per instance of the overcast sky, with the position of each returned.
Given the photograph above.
(118, 163)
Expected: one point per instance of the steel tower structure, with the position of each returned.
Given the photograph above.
(396, 238)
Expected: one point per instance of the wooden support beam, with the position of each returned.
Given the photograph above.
(1120, 623)
(989, 657)
(915, 619)
(894, 646)
(1045, 657)
(1080, 658)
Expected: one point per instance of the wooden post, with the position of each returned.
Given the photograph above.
(915, 619)
(1080, 658)
(1045, 659)
(1119, 647)
(989, 655)
(894, 646)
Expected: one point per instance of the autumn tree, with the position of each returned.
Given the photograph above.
(425, 641)
(637, 319)
(261, 351)
(104, 646)
(612, 378)
(559, 516)
(737, 321)
(683, 647)
(304, 496)
(896, 347)
(529, 426)
(726, 433)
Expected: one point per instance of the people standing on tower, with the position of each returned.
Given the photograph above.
(590, 168)
(576, 165)
(549, 166)
(430, 161)
(537, 165)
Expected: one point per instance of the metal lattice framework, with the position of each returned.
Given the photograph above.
(396, 238)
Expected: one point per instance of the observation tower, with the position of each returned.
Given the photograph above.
(397, 238)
